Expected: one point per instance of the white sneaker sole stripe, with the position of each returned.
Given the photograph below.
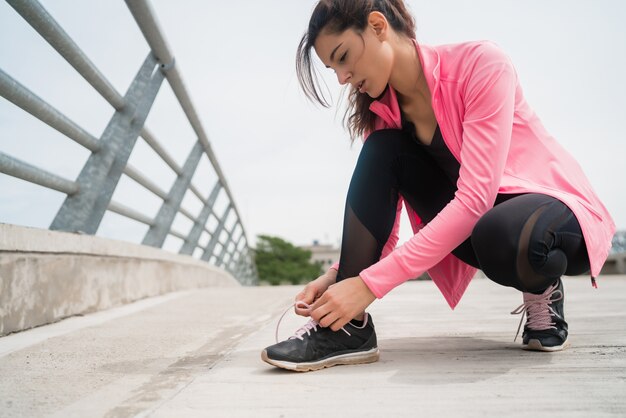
(535, 345)
(361, 357)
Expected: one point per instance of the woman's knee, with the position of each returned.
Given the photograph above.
(556, 245)
(526, 243)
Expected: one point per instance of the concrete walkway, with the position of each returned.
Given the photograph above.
(197, 353)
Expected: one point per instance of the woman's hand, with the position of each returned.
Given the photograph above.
(314, 290)
(342, 302)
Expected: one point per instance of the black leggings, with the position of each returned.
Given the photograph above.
(525, 241)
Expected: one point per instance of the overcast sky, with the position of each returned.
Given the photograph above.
(287, 161)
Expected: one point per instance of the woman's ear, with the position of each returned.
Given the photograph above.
(378, 22)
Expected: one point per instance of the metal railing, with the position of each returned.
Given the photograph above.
(90, 195)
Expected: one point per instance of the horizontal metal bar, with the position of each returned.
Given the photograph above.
(20, 169)
(134, 174)
(19, 95)
(177, 234)
(158, 148)
(35, 14)
(195, 191)
(146, 20)
(188, 214)
(124, 210)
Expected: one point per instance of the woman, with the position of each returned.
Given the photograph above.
(448, 132)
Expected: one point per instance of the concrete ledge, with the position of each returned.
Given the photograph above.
(615, 264)
(47, 275)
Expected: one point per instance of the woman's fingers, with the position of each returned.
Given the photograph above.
(308, 296)
(302, 311)
(314, 290)
(333, 320)
(329, 314)
(339, 323)
(341, 302)
(321, 308)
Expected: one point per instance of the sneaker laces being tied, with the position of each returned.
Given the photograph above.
(538, 310)
(311, 325)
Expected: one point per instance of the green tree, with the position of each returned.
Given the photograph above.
(278, 261)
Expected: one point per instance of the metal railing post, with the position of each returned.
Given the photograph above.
(163, 221)
(84, 210)
(230, 239)
(250, 273)
(236, 268)
(194, 235)
(235, 254)
(208, 251)
(220, 258)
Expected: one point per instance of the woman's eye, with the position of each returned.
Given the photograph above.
(343, 57)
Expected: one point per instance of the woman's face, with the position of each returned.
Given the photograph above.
(363, 59)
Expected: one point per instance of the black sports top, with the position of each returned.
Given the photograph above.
(437, 150)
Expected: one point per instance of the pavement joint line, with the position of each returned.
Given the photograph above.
(20, 340)
(264, 321)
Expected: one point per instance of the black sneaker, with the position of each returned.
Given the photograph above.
(313, 347)
(545, 328)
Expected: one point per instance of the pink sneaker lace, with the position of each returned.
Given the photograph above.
(311, 325)
(538, 310)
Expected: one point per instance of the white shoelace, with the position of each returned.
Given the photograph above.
(311, 325)
(538, 310)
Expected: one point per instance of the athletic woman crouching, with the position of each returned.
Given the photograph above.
(447, 132)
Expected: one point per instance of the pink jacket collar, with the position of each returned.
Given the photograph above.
(387, 107)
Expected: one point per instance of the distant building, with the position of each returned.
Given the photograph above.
(325, 253)
(328, 255)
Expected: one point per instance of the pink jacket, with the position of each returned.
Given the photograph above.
(502, 148)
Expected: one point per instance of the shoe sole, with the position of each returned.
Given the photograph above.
(361, 357)
(535, 345)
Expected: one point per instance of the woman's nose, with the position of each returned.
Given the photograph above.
(344, 77)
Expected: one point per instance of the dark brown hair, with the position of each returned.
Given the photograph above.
(337, 16)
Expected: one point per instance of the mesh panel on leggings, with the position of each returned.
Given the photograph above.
(359, 248)
(530, 279)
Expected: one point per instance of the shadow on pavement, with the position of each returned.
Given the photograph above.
(448, 360)
(439, 360)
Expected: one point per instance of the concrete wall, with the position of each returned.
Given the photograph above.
(46, 275)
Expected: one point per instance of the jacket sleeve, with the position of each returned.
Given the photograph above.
(489, 101)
